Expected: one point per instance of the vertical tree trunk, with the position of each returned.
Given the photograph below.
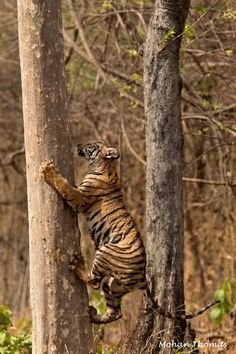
(164, 216)
(162, 90)
(60, 320)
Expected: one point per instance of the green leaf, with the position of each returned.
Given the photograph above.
(201, 8)
(5, 317)
(2, 337)
(229, 52)
(188, 31)
(97, 295)
(205, 103)
(216, 314)
(230, 14)
(219, 294)
(106, 5)
(168, 36)
(133, 53)
(99, 303)
(136, 76)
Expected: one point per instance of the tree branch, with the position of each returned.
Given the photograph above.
(133, 152)
(84, 42)
(10, 160)
(204, 181)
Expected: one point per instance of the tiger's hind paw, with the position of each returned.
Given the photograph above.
(77, 266)
(92, 313)
(76, 260)
(110, 315)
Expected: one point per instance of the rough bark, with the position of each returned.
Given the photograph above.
(60, 319)
(164, 215)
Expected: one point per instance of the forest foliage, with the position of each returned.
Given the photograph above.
(12, 343)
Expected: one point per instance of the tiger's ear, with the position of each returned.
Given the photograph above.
(112, 153)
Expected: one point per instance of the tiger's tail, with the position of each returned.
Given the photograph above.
(169, 315)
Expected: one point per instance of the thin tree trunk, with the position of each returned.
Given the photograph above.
(164, 216)
(60, 319)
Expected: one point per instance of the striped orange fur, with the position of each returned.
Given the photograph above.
(120, 261)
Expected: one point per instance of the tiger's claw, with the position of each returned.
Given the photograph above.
(48, 170)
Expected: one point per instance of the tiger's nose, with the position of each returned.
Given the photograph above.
(80, 150)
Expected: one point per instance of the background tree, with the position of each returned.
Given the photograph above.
(58, 300)
(164, 141)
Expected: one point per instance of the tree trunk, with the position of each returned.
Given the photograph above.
(164, 216)
(60, 320)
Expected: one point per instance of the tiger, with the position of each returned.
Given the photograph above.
(119, 266)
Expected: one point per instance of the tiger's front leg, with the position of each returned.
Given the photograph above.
(72, 195)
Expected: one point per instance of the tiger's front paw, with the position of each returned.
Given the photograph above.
(48, 171)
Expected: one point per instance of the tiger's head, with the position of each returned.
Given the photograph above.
(97, 152)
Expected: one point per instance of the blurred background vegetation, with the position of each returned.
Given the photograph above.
(104, 74)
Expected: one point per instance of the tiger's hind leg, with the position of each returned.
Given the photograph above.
(77, 266)
(113, 292)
